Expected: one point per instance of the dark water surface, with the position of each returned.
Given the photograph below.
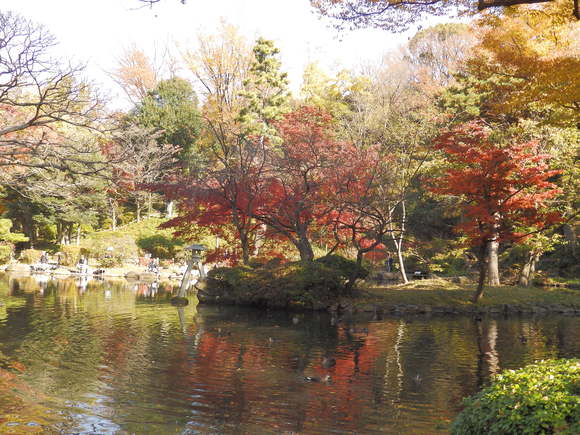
(113, 357)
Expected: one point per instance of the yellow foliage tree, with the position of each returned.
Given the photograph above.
(531, 56)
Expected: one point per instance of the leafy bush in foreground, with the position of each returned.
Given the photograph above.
(542, 398)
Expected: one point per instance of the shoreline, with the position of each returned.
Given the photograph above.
(134, 273)
(422, 298)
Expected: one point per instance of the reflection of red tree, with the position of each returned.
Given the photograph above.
(315, 403)
(345, 398)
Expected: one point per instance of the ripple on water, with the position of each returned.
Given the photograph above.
(107, 363)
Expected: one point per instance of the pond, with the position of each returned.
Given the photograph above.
(116, 357)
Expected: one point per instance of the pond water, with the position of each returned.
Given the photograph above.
(115, 357)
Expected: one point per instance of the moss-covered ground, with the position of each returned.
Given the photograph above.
(440, 292)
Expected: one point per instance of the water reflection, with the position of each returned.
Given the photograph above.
(112, 356)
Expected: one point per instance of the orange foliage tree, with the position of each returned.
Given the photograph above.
(503, 188)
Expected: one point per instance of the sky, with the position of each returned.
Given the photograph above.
(96, 32)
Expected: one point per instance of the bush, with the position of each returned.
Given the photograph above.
(111, 261)
(343, 266)
(111, 249)
(6, 250)
(315, 285)
(30, 256)
(161, 246)
(70, 255)
(541, 398)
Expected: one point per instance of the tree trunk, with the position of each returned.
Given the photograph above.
(528, 269)
(113, 208)
(493, 262)
(149, 204)
(170, 209)
(401, 261)
(260, 238)
(79, 235)
(69, 233)
(353, 276)
(138, 205)
(30, 232)
(59, 233)
(482, 263)
(304, 247)
(570, 235)
(245, 242)
(398, 242)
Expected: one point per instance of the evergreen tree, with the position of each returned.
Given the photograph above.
(172, 108)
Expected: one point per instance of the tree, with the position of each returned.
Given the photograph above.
(365, 201)
(8, 239)
(171, 108)
(53, 199)
(136, 74)
(438, 52)
(245, 97)
(265, 93)
(523, 67)
(330, 93)
(38, 93)
(398, 15)
(396, 113)
(302, 178)
(503, 187)
(145, 163)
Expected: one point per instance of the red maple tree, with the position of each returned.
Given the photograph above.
(504, 188)
(298, 202)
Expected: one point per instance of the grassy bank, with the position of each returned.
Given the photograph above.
(442, 293)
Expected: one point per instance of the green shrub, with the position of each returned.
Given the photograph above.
(111, 248)
(541, 398)
(313, 285)
(111, 261)
(30, 256)
(70, 255)
(343, 266)
(161, 246)
(6, 250)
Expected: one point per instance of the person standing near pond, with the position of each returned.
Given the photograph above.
(389, 262)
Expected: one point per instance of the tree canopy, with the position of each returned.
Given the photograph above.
(398, 15)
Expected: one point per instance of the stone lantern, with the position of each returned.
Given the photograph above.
(194, 261)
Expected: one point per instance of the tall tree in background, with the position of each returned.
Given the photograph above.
(241, 107)
(525, 66)
(504, 188)
(172, 109)
(265, 93)
(136, 74)
(437, 53)
(37, 93)
(394, 112)
(146, 163)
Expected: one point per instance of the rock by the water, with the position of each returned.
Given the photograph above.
(18, 267)
(148, 276)
(131, 275)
